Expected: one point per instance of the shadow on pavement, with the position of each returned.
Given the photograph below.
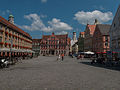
(115, 67)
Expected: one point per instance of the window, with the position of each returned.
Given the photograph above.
(5, 38)
(0, 39)
(114, 24)
(106, 44)
(0, 26)
(106, 38)
(52, 38)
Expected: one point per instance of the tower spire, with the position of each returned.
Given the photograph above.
(96, 22)
(11, 19)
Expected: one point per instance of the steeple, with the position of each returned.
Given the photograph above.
(11, 19)
(74, 36)
(96, 22)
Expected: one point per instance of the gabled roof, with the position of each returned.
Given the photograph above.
(10, 25)
(82, 33)
(104, 28)
(91, 28)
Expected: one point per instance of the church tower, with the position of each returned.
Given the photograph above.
(96, 22)
(11, 19)
(74, 36)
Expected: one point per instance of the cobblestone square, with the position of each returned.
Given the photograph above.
(46, 73)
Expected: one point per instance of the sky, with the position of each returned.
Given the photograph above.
(42, 17)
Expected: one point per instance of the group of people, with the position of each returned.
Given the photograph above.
(60, 57)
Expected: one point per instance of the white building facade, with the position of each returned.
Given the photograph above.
(115, 33)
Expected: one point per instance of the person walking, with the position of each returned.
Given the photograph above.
(58, 57)
(62, 57)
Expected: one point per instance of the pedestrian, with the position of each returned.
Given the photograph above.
(58, 57)
(62, 57)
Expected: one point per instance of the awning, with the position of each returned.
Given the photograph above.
(101, 52)
(89, 52)
(14, 50)
(4, 49)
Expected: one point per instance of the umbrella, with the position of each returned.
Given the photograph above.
(89, 52)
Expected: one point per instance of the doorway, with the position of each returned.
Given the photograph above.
(52, 52)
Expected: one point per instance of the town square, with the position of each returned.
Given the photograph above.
(60, 45)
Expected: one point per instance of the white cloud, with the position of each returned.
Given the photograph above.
(43, 1)
(56, 24)
(62, 32)
(84, 17)
(37, 24)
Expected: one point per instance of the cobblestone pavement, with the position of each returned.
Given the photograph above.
(46, 73)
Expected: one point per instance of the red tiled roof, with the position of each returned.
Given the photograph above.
(10, 25)
(92, 28)
(82, 33)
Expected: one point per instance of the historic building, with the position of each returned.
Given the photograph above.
(81, 42)
(55, 44)
(36, 46)
(75, 48)
(74, 45)
(89, 31)
(74, 39)
(88, 37)
(115, 33)
(13, 38)
(101, 39)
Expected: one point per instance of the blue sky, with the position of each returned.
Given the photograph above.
(39, 17)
